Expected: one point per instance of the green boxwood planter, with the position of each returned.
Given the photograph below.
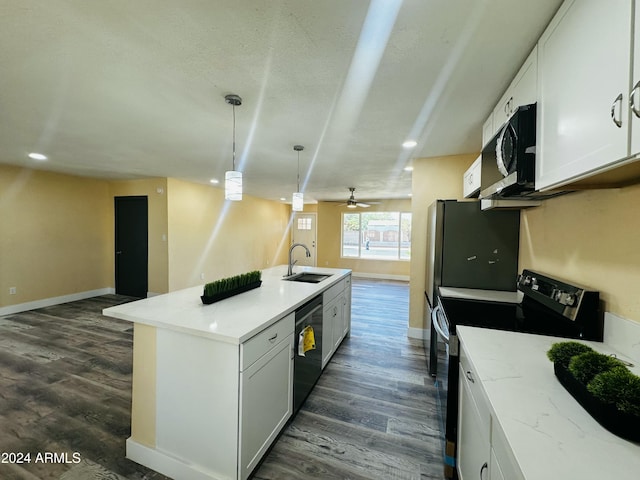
(207, 300)
(228, 287)
(620, 423)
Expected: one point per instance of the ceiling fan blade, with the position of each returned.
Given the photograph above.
(363, 205)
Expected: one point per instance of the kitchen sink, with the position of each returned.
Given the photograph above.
(308, 277)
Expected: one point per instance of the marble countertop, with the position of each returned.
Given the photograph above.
(233, 320)
(550, 434)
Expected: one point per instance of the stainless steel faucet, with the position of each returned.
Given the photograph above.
(291, 261)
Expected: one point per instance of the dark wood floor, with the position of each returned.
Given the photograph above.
(65, 388)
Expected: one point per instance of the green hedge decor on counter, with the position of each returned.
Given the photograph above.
(602, 384)
(230, 286)
(562, 352)
(620, 387)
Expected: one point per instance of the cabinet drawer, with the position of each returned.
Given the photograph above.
(258, 345)
(469, 376)
(332, 292)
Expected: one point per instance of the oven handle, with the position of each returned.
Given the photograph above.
(435, 319)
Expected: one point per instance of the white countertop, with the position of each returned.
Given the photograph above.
(234, 319)
(551, 435)
(482, 295)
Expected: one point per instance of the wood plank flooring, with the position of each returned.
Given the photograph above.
(65, 387)
(373, 413)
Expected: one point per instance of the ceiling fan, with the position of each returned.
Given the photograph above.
(352, 203)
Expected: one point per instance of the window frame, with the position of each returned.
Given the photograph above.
(401, 214)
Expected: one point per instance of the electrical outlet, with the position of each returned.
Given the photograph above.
(12, 290)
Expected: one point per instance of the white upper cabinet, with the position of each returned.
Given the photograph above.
(471, 179)
(584, 61)
(634, 99)
(522, 91)
(487, 130)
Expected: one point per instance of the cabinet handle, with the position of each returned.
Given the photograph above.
(469, 376)
(632, 101)
(483, 468)
(618, 101)
(273, 339)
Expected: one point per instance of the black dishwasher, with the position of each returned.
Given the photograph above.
(307, 365)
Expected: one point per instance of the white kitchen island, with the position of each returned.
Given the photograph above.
(213, 384)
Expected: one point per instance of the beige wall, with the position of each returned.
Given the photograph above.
(591, 238)
(330, 234)
(211, 238)
(155, 189)
(433, 178)
(55, 235)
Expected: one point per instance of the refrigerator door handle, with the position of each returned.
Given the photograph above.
(435, 319)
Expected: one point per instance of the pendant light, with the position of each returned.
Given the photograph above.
(297, 200)
(233, 178)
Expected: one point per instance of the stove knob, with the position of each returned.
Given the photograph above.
(556, 294)
(568, 299)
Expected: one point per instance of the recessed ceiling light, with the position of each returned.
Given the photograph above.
(282, 199)
(408, 168)
(409, 194)
(215, 181)
(409, 144)
(37, 156)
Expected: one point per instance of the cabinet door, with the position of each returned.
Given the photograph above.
(583, 73)
(473, 437)
(471, 179)
(337, 315)
(522, 91)
(327, 332)
(347, 306)
(266, 403)
(634, 99)
(494, 468)
(487, 130)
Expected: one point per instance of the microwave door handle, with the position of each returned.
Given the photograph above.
(504, 163)
(435, 319)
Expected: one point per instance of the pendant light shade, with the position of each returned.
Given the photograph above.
(233, 178)
(232, 185)
(297, 200)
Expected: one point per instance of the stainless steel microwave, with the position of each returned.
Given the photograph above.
(509, 159)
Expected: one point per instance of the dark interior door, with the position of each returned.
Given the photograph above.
(131, 242)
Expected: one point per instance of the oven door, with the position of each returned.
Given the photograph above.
(447, 385)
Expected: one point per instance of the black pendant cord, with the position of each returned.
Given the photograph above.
(234, 137)
(298, 171)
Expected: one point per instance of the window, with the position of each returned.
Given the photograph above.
(377, 235)
(304, 223)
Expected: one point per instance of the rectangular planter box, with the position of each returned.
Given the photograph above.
(620, 423)
(229, 293)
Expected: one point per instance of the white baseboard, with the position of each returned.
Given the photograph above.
(47, 302)
(381, 276)
(166, 464)
(413, 332)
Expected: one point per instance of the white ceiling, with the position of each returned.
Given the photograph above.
(127, 89)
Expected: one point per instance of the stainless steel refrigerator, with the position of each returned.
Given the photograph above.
(468, 248)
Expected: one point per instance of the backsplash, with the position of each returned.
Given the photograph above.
(590, 238)
(623, 335)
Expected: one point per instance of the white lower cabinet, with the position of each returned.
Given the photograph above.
(474, 445)
(336, 317)
(494, 468)
(266, 393)
(219, 406)
(483, 451)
